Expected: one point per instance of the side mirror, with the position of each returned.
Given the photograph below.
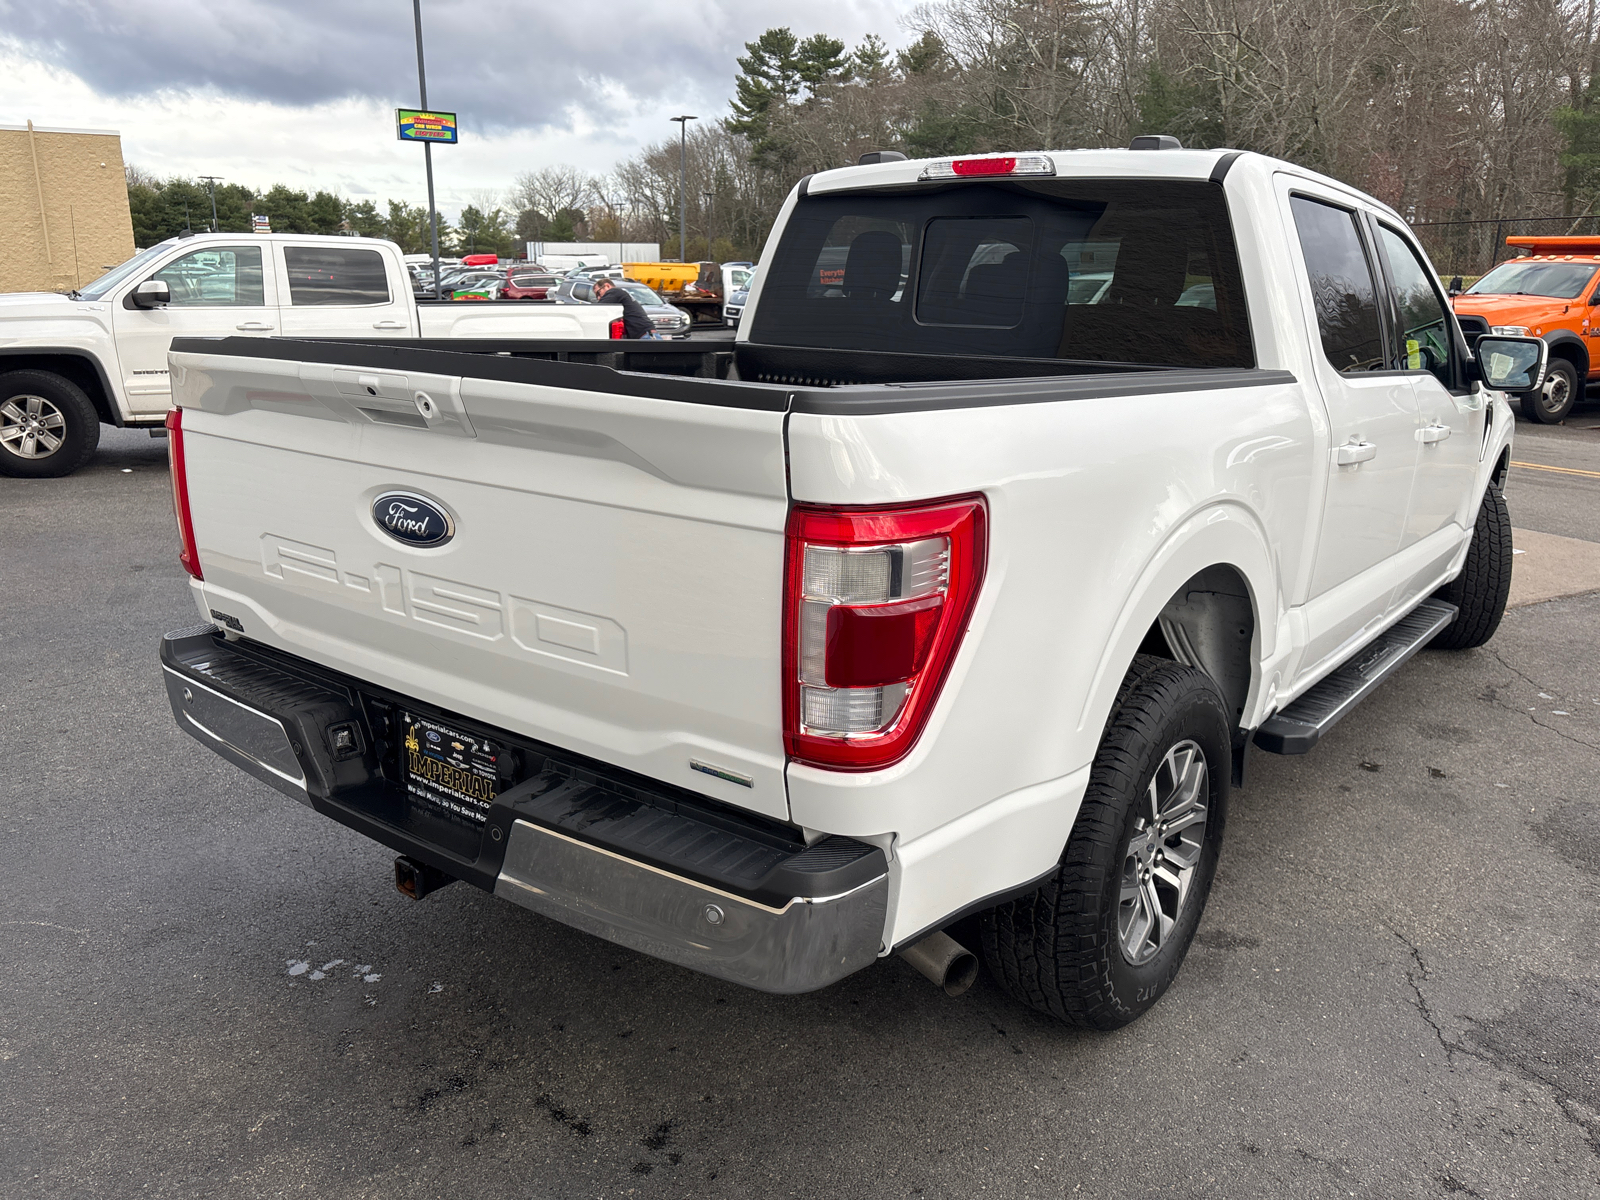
(151, 293)
(1513, 364)
(1455, 286)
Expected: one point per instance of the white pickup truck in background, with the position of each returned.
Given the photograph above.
(1035, 491)
(69, 363)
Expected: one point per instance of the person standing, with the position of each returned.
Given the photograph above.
(636, 322)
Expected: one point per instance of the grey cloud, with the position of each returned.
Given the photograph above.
(503, 64)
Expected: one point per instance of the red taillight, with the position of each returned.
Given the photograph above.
(190, 557)
(984, 166)
(619, 328)
(875, 605)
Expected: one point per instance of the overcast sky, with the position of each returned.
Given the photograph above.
(303, 92)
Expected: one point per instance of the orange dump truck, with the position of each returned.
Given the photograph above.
(1552, 292)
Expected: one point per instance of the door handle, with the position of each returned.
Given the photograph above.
(389, 325)
(1352, 453)
(1431, 434)
(255, 327)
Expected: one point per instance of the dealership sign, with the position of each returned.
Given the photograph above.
(414, 125)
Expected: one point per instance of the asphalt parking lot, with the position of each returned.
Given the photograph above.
(209, 990)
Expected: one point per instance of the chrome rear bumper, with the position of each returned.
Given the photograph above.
(806, 944)
(658, 869)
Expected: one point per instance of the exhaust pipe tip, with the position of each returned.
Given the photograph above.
(945, 961)
(416, 879)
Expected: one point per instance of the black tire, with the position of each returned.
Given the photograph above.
(1481, 589)
(1061, 949)
(46, 406)
(1551, 404)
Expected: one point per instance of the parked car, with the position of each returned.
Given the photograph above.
(736, 275)
(99, 355)
(467, 277)
(733, 306)
(481, 289)
(1550, 294)
(528, 283)
(597, 271)
(668, 321)
(918, 603)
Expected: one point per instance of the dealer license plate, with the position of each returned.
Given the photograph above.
(447, 771)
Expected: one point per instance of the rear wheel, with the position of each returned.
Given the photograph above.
(1102, 941)
(1552, 403)
(48, 427)
(1480, 591)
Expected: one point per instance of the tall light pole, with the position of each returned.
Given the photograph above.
(683, 185)
(427, 147)
(211, 184)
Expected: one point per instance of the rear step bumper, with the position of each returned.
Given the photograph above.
(658, 869)
(1301, 724)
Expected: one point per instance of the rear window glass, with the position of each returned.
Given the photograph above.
(332, 275)
(1098, 271)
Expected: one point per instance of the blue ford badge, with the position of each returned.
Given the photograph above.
(411, 519)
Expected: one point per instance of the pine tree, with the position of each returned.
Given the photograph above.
(820, 60)
(769, 74)
(869, 62)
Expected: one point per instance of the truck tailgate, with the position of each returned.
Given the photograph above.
(613, 581)
(512, 319)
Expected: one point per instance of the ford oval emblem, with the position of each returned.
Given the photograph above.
(413, 520)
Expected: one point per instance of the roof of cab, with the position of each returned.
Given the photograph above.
(1095, 164)
(340, 239)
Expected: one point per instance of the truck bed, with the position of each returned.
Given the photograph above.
(860, 381)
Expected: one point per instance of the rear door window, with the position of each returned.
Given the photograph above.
(1138, 272)
(1342, 287)
(327, 275)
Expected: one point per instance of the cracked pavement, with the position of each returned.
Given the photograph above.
(1395, 991)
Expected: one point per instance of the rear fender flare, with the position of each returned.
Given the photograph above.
(1222, 534)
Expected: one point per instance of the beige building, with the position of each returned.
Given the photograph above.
(63, 207)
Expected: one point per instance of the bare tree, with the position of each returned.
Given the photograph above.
(138, 177)
(550, 190)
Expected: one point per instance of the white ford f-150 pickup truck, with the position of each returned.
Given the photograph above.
(1036, 490)
(69, 363)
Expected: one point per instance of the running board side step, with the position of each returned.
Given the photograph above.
(1300, 725)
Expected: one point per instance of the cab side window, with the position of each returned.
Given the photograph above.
(1423, 339)
(216, 277)
(333, 275)
(1342, 286)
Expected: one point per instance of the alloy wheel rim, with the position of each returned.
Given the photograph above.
(31, 427)
(1161, 857)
